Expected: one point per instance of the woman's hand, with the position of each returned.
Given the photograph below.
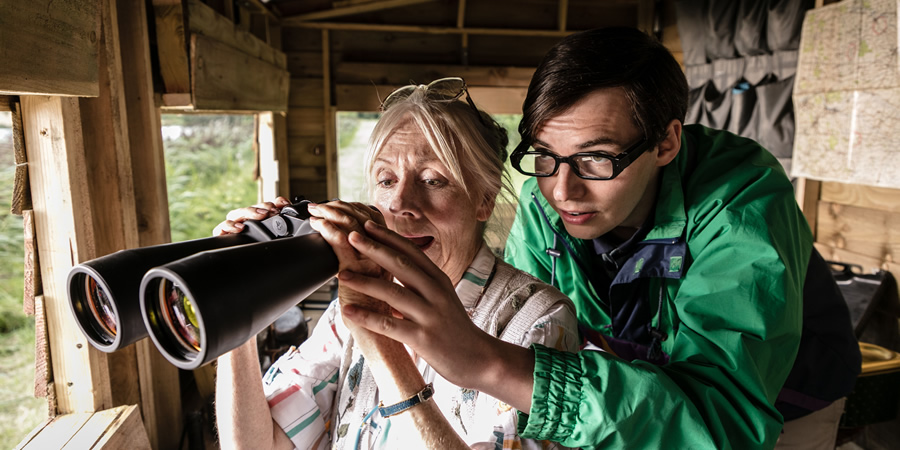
(234, 220)
(335, 220)
(431, 319)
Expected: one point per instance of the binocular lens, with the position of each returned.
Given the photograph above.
(101, 308)
(178, 311)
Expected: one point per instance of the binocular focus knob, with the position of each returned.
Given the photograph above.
(279, 226)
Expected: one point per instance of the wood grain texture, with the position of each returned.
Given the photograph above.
(226, 79)
(49, 47)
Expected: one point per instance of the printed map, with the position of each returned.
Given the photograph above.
(847, 95)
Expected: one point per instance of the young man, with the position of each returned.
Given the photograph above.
(687, 258)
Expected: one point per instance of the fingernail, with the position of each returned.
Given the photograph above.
(345, 275)
(349, 310)
(262, 211)
(239, 225)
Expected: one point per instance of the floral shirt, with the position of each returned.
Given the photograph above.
(323, 395)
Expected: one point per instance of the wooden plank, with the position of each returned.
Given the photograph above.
(6, 102)
(399, 74)
(315, 174)
(423, 29)
(306, 151)
(21, 193)
(172, 45)
(500, 100)
(351, 10)
(807, 192)
(62, 218)
(42, 375)
(865, 231)
(49, 47)
(884, 199)
(306, 93)
(309, 122)
(269, 162)
(98, 423)
(126, 431)
(204, 20)
(305, 64)
(160, 392)
(226, 79)
(58, 432)
(32, 264)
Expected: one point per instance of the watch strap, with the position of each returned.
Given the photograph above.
(420, 397)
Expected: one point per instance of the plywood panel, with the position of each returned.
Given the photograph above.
(865, 231)
(884, 199)
(49, 47)
(226, 79)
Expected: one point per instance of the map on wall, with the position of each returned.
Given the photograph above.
(847, 95)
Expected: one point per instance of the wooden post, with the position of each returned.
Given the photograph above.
(331, 164)
(64, 228)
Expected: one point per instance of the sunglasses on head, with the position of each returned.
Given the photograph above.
(442, 90)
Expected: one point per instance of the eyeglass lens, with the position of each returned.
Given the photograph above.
(542, 164)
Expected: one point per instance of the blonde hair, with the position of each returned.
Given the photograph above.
(472, 149)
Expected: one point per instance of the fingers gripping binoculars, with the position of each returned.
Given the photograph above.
(201, 298)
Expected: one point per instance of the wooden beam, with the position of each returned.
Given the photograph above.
(62, 219)
(6, 102)
(350, 10)
(49, 47)
(870, 232)
(401, 74)
(273, 156)
(206, 21)
(223, 78)
(562, 14)
(493, 100)
(172, 45)
(425, 29)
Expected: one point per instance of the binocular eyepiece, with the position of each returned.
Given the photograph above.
(199, 299)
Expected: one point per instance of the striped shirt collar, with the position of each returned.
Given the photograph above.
(471, 286)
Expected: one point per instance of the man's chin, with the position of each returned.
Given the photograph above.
(585, 232)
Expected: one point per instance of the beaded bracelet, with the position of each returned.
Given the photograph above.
(422, 396)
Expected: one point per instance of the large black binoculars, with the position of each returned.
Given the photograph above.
(201, 298)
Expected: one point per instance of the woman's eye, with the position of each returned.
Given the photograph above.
(430, 182)
(386, 183)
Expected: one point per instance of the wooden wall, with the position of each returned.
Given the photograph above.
(346, 62)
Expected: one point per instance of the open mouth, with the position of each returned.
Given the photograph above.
(423, 242)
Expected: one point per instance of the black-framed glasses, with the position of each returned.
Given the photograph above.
(587, 165)
(442, 90)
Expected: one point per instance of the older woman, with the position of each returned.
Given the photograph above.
(434, 167)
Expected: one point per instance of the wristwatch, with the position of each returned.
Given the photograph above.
(422, 396)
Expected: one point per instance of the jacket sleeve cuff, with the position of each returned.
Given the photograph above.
(556, 397)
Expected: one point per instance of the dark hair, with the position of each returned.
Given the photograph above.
(583, 62)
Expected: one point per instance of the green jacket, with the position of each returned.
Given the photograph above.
(720, 274)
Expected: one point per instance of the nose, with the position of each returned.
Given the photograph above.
(404, 199)
(568, 186)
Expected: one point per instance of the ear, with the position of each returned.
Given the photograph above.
(485, 209)
(671, 144)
